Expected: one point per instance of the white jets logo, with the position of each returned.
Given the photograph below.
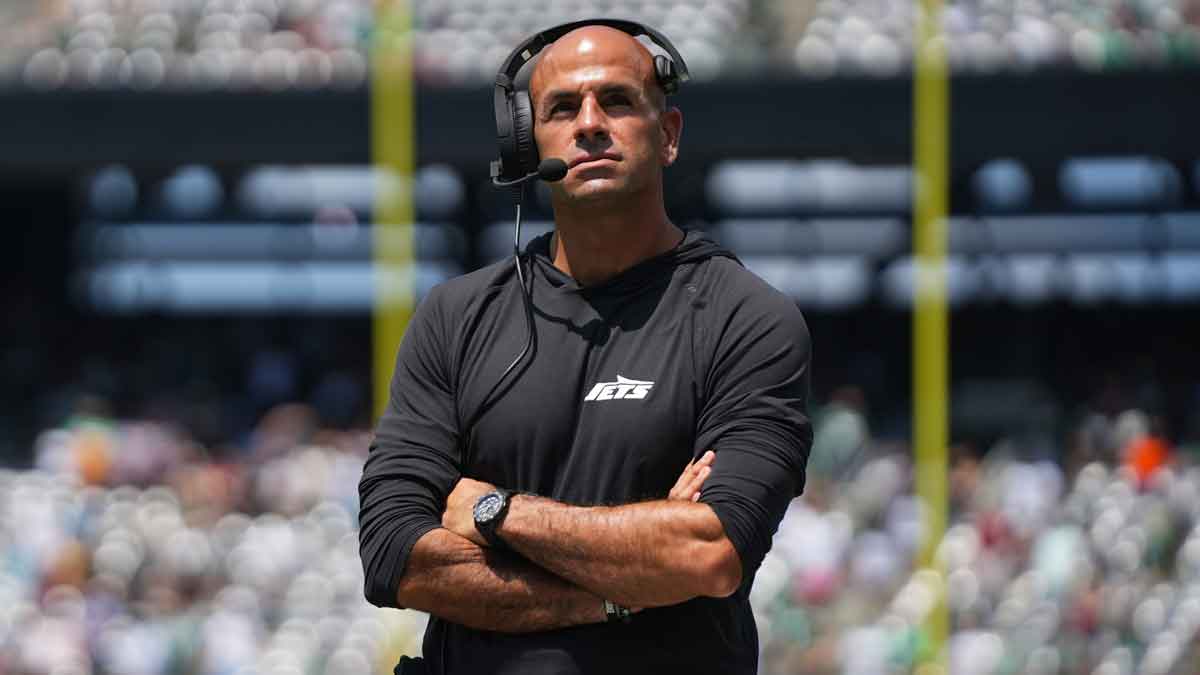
(623, 388)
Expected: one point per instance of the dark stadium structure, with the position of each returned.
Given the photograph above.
(57, 144)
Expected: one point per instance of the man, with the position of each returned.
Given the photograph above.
(653, 348)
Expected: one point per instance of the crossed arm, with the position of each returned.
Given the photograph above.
(458, 580)
(572, 558)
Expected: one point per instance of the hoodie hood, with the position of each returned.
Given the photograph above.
(695, 247)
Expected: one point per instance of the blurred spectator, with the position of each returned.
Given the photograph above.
(841, 435)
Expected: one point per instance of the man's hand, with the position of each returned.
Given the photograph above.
(687, 487)
(459, 517)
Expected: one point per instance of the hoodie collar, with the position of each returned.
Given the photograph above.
(696, 246)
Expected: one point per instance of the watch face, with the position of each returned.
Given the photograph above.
(488, 507)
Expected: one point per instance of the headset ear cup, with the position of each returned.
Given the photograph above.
(668, 77)
(527, 151)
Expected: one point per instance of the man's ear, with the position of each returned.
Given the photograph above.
(671, 123)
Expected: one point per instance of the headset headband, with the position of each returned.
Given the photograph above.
(540, 40)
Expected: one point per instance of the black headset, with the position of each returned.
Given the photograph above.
(514, 111)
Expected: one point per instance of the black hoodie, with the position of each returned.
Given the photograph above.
(630, 380)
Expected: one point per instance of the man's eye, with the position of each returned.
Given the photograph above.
(558, 108)
(619, 100)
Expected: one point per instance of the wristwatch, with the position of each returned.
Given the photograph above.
(489, 512)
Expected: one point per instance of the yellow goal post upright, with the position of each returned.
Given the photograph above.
(930, 316)
(393, 158)
(393, 164)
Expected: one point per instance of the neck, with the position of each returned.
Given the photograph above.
(594, 242)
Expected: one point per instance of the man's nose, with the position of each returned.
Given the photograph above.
(591, 124)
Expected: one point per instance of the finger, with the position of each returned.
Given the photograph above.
(678, 491)
(699, 463)
(702, 461)
(687, 484)
(674, 493)
(687, 470)
(693, 487)
(702, 469)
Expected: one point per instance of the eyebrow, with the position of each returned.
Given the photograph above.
(557, 95)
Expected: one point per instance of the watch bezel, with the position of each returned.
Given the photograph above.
(489, 506)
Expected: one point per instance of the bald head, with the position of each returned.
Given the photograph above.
(587, 51)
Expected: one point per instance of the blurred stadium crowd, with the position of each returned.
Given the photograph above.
(282, 44)
(131, 548)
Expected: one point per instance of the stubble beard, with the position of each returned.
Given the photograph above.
(617, 190)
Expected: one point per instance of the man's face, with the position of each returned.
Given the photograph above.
(597, 108)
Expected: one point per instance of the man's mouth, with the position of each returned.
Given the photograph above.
(592, 159)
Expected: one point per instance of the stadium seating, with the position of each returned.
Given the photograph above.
(127, 550)
(274, 45)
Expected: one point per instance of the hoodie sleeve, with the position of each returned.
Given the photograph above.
(755, 417)
(412, 464)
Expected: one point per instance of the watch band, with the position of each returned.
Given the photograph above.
(614, 612)
(494, 541)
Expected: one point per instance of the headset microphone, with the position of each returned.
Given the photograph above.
(550, 170)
